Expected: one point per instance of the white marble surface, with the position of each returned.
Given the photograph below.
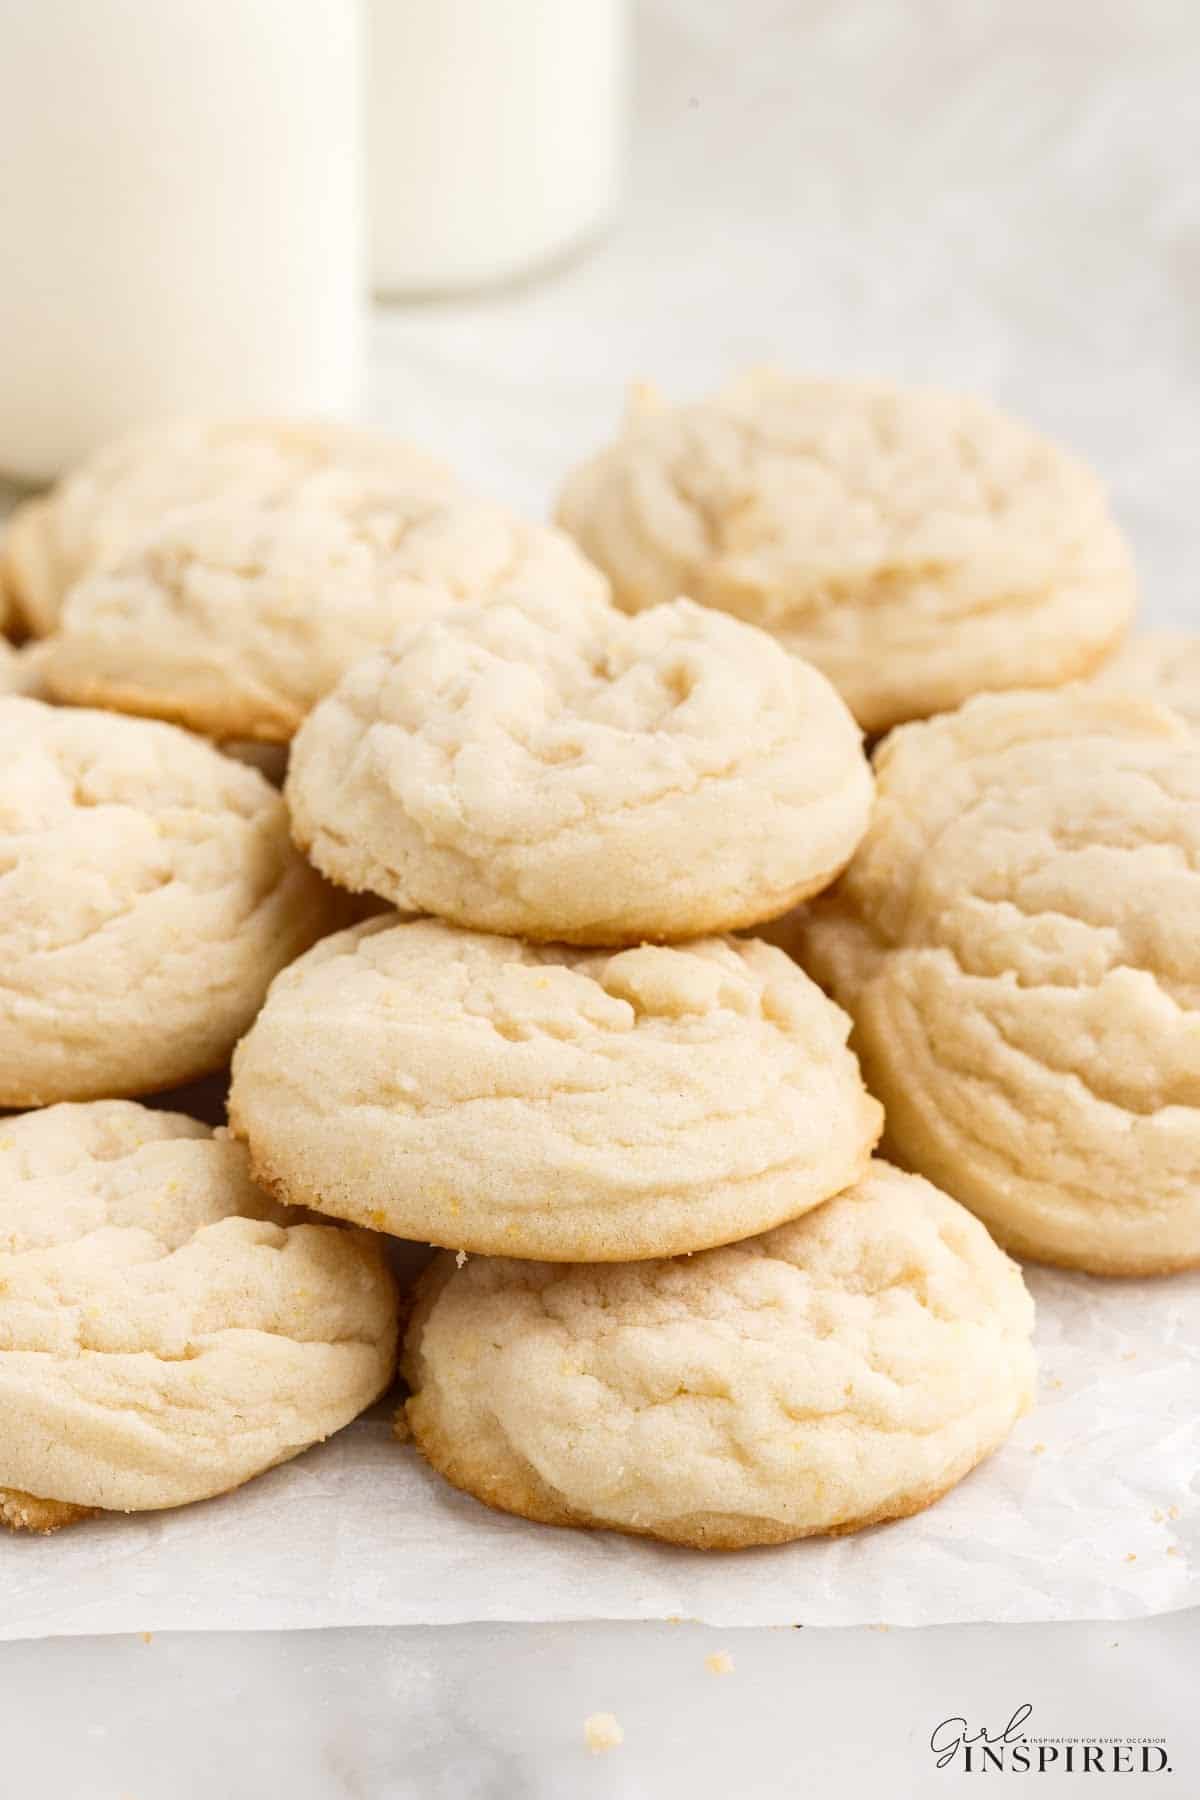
(494, 1712)
(999, 194)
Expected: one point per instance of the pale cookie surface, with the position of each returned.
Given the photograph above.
(235, 618)
(1018, 940)
(149, 891)
(96, 512)
(841, 1370)
(573, 774)
(916, 546)
(1162, 664)
(166, 1331)
(491, 1095)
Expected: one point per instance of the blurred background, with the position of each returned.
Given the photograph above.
(559, 196)
(995, 196)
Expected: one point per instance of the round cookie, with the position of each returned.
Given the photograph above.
(166, 1331)
(841, 1370)
(575, 775)
(1162, 664)
(916, 546)
(126, 488)
(235, 618)
(149, 891)
(1018, 941)
(492, 1095)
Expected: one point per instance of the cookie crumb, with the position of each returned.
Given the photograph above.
(1039, 1449)
(1132, 1557)
(601, 1732)
(460, 1257)
(719, 1663)
(1173, 1550)
(1172, 1512)
(147, 1637)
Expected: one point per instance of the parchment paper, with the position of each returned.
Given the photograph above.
(1090, 1511)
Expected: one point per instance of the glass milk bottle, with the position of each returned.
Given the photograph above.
(496, 132)
(180, 215)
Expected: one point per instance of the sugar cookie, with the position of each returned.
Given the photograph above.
(1018, 941)
(148, 893)
(91, 516)
(844, 1369)
(166, 1331)
(916, 546)
(572, 774)
(492, 1095)
(235, 618)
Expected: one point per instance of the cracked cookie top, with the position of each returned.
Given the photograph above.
(842, 1369)
(535, 1100)
(234, 617)
(127, 487)
(565, 772)
(148, 892)
(1018, 940)
(917, 546)
(166, 1331)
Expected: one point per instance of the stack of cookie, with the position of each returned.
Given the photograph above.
(557, 1065)
(677, 1295)
(745, 1330)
